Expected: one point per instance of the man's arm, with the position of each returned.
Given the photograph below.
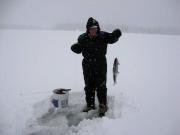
(78, 47)
(113, 37)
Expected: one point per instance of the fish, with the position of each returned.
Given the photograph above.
(115, 70)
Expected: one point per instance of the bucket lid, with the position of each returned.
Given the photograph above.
(60, 91)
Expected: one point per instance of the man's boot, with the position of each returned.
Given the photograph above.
(102, 110)
(89, 108)
(90, 99)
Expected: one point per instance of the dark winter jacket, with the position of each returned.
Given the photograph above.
(95, 47)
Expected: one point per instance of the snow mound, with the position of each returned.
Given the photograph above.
(48, 120)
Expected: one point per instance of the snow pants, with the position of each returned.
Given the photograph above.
(95, 72)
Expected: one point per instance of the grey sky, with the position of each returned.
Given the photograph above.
(48, 13)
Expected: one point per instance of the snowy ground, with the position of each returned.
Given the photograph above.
(144, 102)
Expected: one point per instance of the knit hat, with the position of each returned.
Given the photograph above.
(92, 23)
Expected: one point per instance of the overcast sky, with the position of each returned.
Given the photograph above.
(164, 13)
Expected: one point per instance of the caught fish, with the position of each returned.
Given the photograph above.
(115, 70)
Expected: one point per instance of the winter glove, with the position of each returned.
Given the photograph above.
(77, 48)
(116, 33)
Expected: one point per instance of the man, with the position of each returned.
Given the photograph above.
(93, 46)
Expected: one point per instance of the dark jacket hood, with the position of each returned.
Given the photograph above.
(92, 22)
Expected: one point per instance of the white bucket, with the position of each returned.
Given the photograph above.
(60, 98)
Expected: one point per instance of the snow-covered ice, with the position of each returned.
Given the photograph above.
(144, 101)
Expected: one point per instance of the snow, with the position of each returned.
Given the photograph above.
(144, 101)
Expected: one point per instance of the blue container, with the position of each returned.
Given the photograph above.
(60, 98)
(55, 103)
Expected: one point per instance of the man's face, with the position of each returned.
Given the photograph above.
(93, 31)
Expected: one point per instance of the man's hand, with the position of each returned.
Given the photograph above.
(117, 33)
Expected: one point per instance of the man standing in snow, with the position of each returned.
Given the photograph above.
(93, 46)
